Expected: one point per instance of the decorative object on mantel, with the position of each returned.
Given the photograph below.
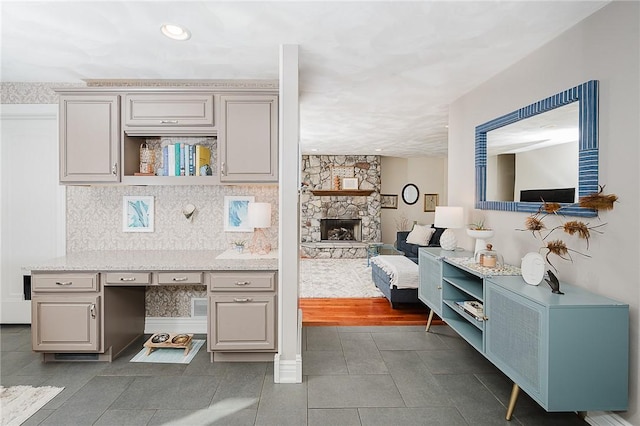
(535, 223)
(260, 218)
(533, 268)
(349, 183)
(450, 218)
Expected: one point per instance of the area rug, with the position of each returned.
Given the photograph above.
(336, 278)
(18, 403)
(169, 355)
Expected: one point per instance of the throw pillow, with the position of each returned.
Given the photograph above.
(420, 235)
(435, 238)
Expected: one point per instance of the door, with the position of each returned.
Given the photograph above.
(32, 218)
(66, 323)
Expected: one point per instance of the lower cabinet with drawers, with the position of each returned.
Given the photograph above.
(94, 316)
(242, 315)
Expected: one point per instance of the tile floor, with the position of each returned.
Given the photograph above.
(352, 376)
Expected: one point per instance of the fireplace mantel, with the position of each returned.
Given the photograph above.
(343, 192)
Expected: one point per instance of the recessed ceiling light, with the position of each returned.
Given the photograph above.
(314, 149)
(175, 32)
(378, 149)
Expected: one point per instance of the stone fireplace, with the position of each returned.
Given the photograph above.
(340, 230)
(358, 214)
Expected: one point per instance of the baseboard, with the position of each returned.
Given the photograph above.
(175, 325)
(15, 311)
(605, 418)
(290, 371)
(287, 371)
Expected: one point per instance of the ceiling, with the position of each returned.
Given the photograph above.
(375, 77)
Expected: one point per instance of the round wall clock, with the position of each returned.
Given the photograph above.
(410, 194)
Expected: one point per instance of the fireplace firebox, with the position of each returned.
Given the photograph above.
(341, 229)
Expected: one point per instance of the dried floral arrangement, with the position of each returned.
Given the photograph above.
(535, 224)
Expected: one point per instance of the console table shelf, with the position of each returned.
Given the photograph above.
(343, 192)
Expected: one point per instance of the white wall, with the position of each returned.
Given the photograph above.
(603, 47)
(554, 167)
(427, 173)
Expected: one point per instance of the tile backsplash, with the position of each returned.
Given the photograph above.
(95, 219)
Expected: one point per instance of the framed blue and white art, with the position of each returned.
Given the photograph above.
(137, 213)
(236, 213)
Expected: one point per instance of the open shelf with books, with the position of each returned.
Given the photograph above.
(175, 160)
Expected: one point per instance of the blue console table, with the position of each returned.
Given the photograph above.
(568, 352)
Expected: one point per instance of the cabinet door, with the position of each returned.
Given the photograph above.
(248, 138)
(89, 136)
(430, 286)
(515, 339)
(168, 110)
(69, 323)
(241, 322)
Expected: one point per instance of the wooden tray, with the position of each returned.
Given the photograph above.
(169, 340)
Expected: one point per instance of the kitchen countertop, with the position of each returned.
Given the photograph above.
(158, 260)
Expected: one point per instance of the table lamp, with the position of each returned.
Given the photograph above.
(259, 215)
(449, 218)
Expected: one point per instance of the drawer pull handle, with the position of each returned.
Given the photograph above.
(439, 287)
(64, 283)
(242, 300)
(169, 121)
(224, 169)
(127, 278)
(179, 278)
(92, 309)
(485, 318)
(243, 282)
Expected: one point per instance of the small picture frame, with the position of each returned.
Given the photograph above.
(388, 201)
(430, 202)
(236, 213)
(137, 213)
(349, 183)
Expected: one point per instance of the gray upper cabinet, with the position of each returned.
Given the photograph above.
(89, 138)
(168, 113)
(248, 138)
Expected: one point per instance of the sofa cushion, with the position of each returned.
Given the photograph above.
(420, 235)
(435, 238)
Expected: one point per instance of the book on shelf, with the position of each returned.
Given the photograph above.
(203, 157)
(182, 159)
(472, 307)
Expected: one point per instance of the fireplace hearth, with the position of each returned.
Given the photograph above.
(340, 229)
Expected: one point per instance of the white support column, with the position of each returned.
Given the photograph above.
(288, 360)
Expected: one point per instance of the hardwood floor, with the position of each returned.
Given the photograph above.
(365, 311)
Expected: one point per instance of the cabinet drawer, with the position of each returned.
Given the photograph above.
(243, 281)
(180, 278)
(128, 278)
(87, 282)
(168, 110)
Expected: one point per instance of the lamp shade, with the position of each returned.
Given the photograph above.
(259, 215)
(448, 217)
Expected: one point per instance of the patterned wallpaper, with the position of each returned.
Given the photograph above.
(94, 213)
